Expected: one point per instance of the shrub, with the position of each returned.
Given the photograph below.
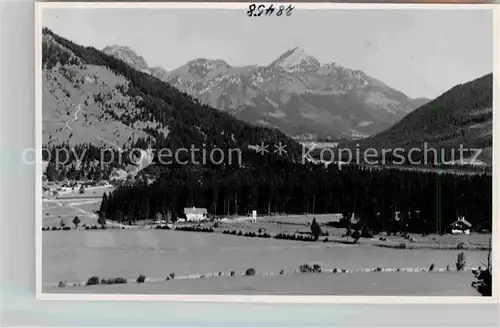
(66, 228)
(461, 245)
(316, 268)
(120, 280)
(282, 272)
(172, 275)
(378, 269)
(325, 240)
(250, 272)
(447, 268)
(62, 284)
(141, 279)
(305, 268)
(402, 246)
(114, 281)
(240, 233)
(431, 268)
(94, 280)
(232, 273)
(460, 263)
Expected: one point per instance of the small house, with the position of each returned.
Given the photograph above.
(461, 226)
(195, 214)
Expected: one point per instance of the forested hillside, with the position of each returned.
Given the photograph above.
(461, 116)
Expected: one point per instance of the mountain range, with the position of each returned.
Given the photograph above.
(295, 93)
(113, 98)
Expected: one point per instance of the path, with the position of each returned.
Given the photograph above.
(76, 113)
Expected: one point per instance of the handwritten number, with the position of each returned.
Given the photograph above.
(270, 10)
(254, 10)
(261, 9)
(251, 9)
(280, 11)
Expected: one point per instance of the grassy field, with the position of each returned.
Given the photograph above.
(88, 192)
(394, 284)
(72, 204)
(293, 224)
(76, 255)
(55, 210)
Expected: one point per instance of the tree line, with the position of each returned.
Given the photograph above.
(427, 202)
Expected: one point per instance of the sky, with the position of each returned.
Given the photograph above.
(422, 52)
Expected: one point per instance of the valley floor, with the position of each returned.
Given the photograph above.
(74, 256)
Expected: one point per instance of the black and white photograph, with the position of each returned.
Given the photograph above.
(265, 150)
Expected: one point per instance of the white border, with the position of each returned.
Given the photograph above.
(39, 6)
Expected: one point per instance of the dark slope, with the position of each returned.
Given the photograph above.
(460, 116)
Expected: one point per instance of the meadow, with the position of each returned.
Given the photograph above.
(76, 255)
(323, 284)
(71, 204)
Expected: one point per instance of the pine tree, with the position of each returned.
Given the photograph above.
(315, 229)
(104, 203)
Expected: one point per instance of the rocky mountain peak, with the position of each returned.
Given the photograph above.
(128, 55)
(296, 60)
(202, 66)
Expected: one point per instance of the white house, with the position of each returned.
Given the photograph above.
(195, 214)
(461, 226)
